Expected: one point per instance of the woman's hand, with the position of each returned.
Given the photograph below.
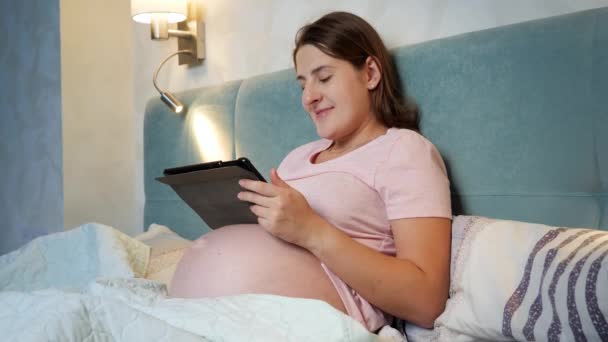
(281, 210)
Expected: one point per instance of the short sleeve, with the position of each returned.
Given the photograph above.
(413, 180)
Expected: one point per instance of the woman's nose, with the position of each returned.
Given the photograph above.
(310, 95)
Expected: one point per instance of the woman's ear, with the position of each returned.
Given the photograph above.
(374, 73)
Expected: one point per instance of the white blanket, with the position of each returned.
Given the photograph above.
(72, 259)
(80, 286)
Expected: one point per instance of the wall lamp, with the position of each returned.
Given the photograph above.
(190, 34)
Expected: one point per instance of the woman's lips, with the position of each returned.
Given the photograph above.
(323, 112)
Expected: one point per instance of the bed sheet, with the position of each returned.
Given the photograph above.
(85, 285)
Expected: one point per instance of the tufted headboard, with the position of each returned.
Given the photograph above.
(519, 113)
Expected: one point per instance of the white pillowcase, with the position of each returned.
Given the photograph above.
(167, 249)
(525, 281)
(162, 239)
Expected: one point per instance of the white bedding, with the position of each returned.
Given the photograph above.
(81, 285)
(72, 259)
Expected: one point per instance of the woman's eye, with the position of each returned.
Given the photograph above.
(324, 80)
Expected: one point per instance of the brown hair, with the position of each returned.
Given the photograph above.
(348, 37)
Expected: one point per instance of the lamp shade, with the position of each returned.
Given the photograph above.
(142, 11)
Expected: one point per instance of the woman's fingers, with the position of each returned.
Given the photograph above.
(261, 188)
(259, 211)
(255, 198)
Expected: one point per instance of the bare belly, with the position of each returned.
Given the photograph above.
(243, 259)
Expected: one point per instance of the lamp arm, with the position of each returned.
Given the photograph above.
(189, 52)
(181, 34)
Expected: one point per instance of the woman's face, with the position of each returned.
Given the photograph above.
(334, 93)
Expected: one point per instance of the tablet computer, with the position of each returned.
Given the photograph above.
(241, 162)
(211, 189)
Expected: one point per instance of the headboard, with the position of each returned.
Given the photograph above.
(519, 113)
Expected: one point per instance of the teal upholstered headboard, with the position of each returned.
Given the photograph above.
(519, 113)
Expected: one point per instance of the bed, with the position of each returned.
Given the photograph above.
(519, 114)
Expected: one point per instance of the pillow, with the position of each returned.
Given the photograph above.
(525, 281)
(162, 267)
(162, 240)
(167, 249)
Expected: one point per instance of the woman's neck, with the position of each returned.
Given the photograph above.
(367, 132)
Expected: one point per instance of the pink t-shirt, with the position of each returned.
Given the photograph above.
(397, 175)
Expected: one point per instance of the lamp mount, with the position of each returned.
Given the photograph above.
(193, 40)
(190, 35)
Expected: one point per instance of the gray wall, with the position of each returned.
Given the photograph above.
(98, 114)
(31, 181)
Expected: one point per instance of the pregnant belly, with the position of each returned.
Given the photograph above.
(243, 259)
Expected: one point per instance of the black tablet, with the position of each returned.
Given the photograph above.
(241, 162)
(211, 189)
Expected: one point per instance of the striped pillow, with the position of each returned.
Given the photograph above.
(527, 282)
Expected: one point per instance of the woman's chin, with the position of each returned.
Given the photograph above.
(325, 132)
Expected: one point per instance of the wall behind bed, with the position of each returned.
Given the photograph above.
(246, 38)
(251, 37)
(518, 115)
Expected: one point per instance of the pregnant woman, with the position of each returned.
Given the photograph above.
(360, 218)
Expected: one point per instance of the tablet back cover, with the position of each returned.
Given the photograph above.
(212, 194)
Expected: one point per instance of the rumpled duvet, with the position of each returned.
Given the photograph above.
(86, 285)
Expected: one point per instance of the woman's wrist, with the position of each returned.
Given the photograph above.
(320, 230)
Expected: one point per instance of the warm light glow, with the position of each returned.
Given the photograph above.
(211, 145)
(143, 10)
(146, 18)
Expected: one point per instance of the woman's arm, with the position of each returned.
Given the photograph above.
(413, 285)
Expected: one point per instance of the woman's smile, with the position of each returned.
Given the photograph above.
(321, 113)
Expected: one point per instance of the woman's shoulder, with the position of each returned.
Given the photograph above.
(409, 137)
(411, 147)
(407, 141)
